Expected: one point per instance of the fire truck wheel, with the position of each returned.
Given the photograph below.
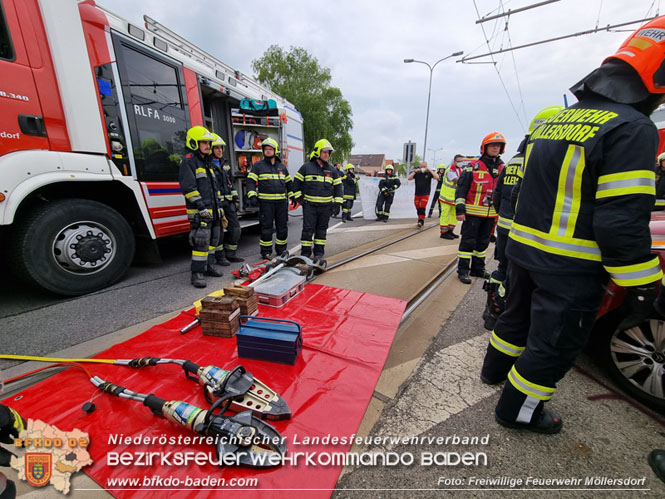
(634, 358)
(72, 246)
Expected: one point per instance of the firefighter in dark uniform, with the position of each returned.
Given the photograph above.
(435, 199)
(582, 217)
(11, 425)
(228, 244)
(318, 187)
(387, 187)
(203, 202)
(497, 284)
(474, 206)
(350, 183)
(269, 188)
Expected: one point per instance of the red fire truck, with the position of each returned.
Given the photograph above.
(92, 127)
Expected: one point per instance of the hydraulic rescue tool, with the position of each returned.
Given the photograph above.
(239, 386)
(242, 439)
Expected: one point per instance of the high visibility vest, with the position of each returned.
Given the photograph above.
(478, 200)
(447, 192)
(511, 174)
(587, 193)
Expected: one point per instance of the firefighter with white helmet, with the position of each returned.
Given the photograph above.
(582, 218)
(269, 189)
(228, 244)
(474, 206)
(387, 187)
(318, 187)
(203, 202)
(350, 183)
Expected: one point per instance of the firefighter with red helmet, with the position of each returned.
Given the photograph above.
(269, 189)
(318, 186)
(582, 218)
(387, 187)
(474, 206)
(228, 244)
(203, 202)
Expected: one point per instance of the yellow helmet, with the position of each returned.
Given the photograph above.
(542, 115)
(349, 166)
(272, 143)
(218, 141)
(442, 167)
(198, 134)
(321, 145)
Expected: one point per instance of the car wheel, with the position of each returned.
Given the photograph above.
(72, 246)
(635, 359)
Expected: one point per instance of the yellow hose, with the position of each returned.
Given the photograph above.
(55, 359)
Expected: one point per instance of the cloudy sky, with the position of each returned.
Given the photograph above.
(364, 43)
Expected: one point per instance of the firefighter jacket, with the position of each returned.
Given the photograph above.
(349, 182)
(318, 184)
(475, 187)
(389, 184)
(273, 182)
(448, 184)
(587, 193)
(199, 186)
(508, 178)
(226, 187)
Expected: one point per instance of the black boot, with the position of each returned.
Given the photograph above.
(464, 277)
(234, 259)
(221, 260)
(213, 271)
(657, 463)
(198, 281)
(547, 421)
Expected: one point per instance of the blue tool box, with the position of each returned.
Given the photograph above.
(274, 340)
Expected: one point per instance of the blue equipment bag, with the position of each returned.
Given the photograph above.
(259, 107)
(274, 340)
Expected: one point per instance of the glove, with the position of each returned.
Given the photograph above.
(637, 304)
(205, 214)
(199, 237)
(492, 238)
(253, 202)
(294, 203)
(11, 424)
(225, 222)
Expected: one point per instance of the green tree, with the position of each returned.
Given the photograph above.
(298, 77)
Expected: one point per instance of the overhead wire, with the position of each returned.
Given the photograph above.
(519, 118)
(517, 76)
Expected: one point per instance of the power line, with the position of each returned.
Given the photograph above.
(517, 76)
(498, 72)
(587, 32)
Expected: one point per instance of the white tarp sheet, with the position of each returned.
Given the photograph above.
(402, 206)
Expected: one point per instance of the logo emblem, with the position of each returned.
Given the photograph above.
(38, 468)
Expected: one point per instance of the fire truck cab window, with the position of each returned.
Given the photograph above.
(6, 50)
(155, 100)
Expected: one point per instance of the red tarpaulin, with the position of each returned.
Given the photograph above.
(347, 336)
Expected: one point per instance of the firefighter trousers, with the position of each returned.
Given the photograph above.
(420, 203)
(383, 203)
(347, 207)
(537, 338)
(315, 218)
(501, 272)
(228, 241)
(475, 238)
(273, 217)
(202, 255)
(447, 220)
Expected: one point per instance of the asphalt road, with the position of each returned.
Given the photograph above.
(33, 322)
